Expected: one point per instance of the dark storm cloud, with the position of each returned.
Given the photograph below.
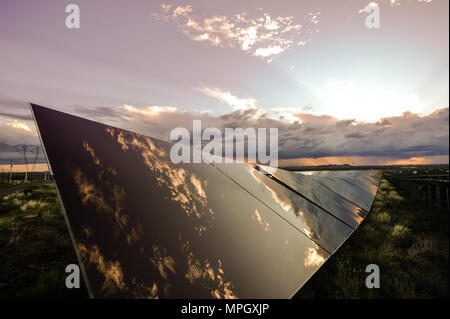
(404, 136)
(312, 136)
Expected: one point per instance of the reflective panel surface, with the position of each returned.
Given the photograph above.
(322, 227)
(357, 186)
(145, 227)
(329, 200)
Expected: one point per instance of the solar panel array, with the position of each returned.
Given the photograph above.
(144, 227)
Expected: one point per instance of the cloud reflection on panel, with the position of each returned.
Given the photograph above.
(337, 205)
(318, 225)
(357, 187)
(147, 228)
(184, 188)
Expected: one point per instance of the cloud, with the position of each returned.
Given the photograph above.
(149, 110)
(301, 134)
(406, 136)
(395, 3)
(14, 109)
(265, 52)
(18, 132)
(392, 3)
(16, 127)
(262, 36)
(230, 99)
(96, 112)
(363, 160)
(287, 113)
(419, 160)
(371, 6)
(19, 125)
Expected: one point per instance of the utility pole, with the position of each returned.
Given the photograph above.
(10, 173)
(22, 150)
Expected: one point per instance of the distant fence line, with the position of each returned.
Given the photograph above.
(433, 190)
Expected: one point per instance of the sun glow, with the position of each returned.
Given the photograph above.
(347, 100)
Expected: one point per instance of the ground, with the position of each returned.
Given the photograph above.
(407, 240)
(35, 246)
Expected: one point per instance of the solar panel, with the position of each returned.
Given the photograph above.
(329, 200)
(322, 227)
(348, 184)
(143, 226)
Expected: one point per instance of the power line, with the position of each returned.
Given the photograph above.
(24, 149)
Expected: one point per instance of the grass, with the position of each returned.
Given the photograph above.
(35, 246)
(407, 240)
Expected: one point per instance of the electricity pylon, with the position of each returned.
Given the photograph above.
(22, 149)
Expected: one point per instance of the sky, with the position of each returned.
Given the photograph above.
(338, 91)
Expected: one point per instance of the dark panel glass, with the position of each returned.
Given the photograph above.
(322, 227)
(145, 227)
(359, 192)
(364, 179)
(322, 196)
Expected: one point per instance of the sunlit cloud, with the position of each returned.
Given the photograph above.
(149, 110)
(320, 139)
(250, 104)
(19, 125)
(395, 3)
(371, 6)
(18, 132)
(363, 160)
(305, 138)
(265, 52)
(263, 36)
(287, 113)
(418, 160)
(392, 3)
(230, 99)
